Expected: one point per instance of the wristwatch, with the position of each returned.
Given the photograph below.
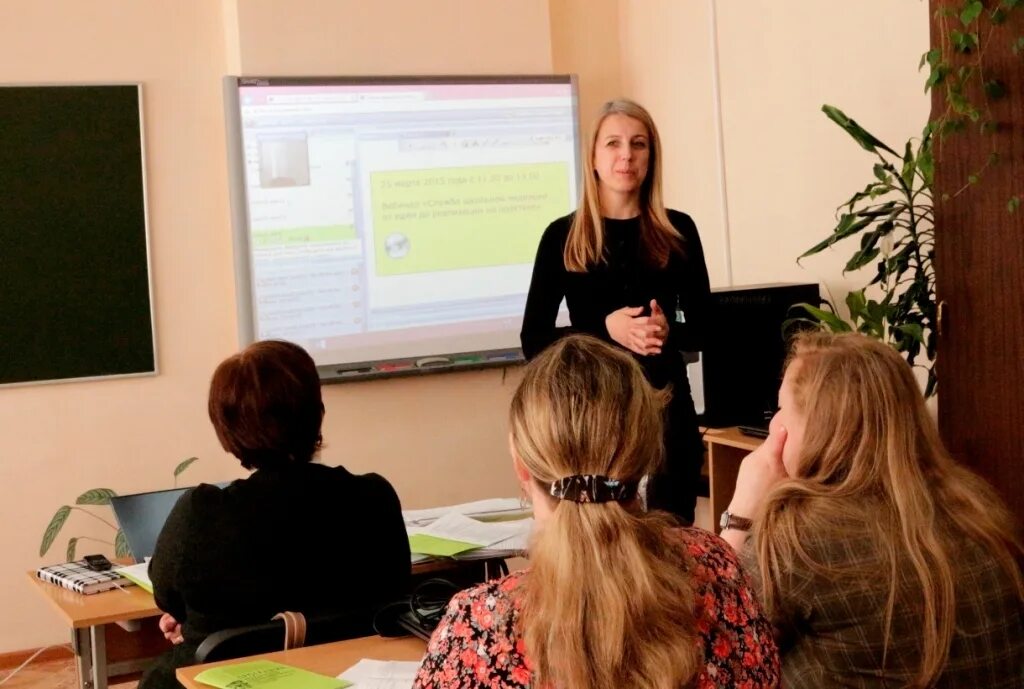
(732, 521)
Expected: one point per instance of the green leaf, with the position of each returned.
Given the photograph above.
(1017, 45)
(53, 528)
(1013, 204)
(96, 496)
(912, 330)
(964, 42)
(995, 89)
(936, 76)
(861, 259)
(178, 470)
(866, 140)
(881, 174)
(72, 542)
(121, 548)
(926, 164)
(930, 58)
(972, 179)
(971, 11)
(848, 225)
(856, 302)
(827, 318)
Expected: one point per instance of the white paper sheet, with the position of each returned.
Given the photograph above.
(381, 674)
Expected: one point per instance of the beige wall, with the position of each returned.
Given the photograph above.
(440, 438)
(786, 167)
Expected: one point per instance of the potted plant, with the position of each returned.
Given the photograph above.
(92, 498)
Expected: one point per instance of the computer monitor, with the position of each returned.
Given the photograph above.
(736, 381)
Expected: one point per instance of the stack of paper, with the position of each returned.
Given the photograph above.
(137, 573)
(453, 534)
(381, 674)
(486, 510)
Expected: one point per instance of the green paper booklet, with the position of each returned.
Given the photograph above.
(426, 544)
(266, 674)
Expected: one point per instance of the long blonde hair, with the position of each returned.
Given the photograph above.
(658, 238)
(608, 601)
(872, 465)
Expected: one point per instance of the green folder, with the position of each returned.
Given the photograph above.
(266, 674)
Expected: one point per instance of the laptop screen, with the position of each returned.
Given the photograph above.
(142, 516)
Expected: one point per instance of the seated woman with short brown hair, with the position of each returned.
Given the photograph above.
(295, 535)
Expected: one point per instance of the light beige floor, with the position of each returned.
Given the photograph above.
(54, 674)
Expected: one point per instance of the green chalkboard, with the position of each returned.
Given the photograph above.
(74, 262)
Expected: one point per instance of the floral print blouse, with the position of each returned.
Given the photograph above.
(477, 645)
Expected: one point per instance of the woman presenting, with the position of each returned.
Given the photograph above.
(631, 272)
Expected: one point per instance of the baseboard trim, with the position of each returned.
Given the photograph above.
(12, 659)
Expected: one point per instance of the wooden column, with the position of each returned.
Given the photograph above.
(980, 266)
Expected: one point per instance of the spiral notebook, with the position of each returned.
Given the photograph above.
(76, 576)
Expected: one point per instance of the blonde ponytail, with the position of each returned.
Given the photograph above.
(608, 601)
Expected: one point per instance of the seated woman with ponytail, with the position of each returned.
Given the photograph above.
(614, 596)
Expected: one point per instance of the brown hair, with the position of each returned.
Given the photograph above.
(265, 405)
(658, 238)
(872, 460)
(608, 601)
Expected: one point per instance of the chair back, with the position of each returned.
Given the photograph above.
(266, 637)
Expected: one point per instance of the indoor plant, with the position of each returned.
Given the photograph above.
(94, 497)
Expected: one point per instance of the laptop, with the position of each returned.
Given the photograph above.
(142, 516)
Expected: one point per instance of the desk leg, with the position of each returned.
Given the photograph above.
(99, 656)
(723, 467)
(90, 645)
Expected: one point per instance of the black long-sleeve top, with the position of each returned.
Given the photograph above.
(625, 279)
(303, 537)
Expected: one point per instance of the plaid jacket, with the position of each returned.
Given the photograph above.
(831, 631)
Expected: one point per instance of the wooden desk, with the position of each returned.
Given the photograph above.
(726, 449)
(89, 617)
(327, 659)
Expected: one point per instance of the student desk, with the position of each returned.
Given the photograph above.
(726, 449)
(328, 659)
(89, 618)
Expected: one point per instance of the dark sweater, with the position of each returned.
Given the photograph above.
(305, 537)
(625, 279)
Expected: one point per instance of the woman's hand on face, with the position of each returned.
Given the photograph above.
(640, 334)
(171, 629)
(760, 471)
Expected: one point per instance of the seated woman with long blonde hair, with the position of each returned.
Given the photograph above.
(882, 562)
(614, 597)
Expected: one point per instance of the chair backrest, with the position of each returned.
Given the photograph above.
(265, 637)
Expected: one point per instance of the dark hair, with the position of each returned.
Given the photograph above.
(265, 405)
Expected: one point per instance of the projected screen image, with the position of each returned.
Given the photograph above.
(398, 220)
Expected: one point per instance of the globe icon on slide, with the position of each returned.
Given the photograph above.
(396, 245)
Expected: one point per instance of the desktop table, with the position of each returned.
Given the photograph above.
(89, 618)
(328, 659)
